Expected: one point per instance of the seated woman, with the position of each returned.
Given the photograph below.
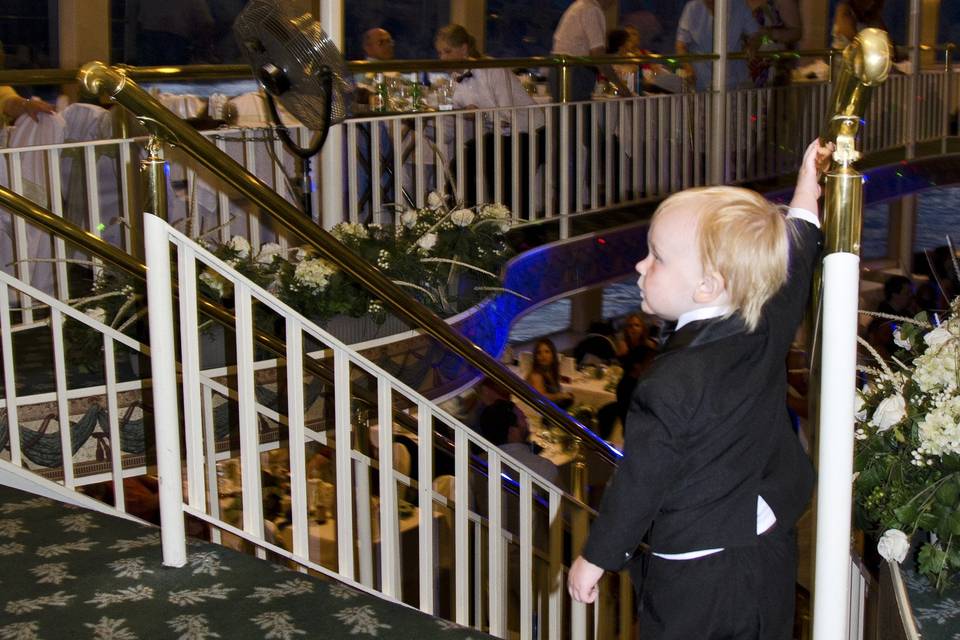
(489, 89)
(544, 376)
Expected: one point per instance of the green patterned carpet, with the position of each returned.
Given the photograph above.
(72, 573)
(937, 615)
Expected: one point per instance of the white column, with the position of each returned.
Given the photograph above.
(84, 32)
(331, 156)
(719, 113)
(841, 280)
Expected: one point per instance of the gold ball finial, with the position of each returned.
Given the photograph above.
(870, 56)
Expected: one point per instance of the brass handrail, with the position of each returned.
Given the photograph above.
(99, 79)
(240, 72)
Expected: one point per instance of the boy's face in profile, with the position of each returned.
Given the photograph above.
(672, 271)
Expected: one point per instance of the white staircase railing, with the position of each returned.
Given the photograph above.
(496, 540)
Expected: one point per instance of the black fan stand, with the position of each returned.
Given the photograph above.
(305, 154)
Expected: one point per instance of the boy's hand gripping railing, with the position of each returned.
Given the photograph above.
(866, 63)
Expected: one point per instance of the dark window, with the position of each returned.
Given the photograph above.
(160, 32)
(656, 20)
(412, 23)
(522, 29)
(29, 32)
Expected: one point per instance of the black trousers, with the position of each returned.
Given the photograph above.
(741, 593)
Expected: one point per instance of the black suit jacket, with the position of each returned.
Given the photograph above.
(708, 432)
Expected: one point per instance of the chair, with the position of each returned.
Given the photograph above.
(596, 347)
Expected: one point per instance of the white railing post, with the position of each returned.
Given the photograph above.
(165, 411)
(841, 279)
(914, 80)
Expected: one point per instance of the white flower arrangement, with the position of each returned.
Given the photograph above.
(908, 444)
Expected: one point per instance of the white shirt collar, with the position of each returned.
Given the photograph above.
(701, 313)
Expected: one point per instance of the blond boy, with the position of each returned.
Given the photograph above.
(712, 477)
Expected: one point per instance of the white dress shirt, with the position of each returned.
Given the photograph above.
(496, 88)
(582, 27)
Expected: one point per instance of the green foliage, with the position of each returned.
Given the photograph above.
(448, 259)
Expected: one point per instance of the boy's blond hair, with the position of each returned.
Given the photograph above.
(743, 237)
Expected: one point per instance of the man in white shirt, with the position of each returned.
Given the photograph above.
(582, 31)
(695, 35)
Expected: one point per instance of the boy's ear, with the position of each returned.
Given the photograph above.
(710, 289)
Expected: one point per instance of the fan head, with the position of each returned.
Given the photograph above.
(290, 54)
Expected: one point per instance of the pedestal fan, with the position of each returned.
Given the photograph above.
(299, 66)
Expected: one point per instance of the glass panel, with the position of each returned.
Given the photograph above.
(876, 224)
(936, 211)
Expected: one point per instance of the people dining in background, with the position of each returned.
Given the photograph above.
(12, 106)
(898, 300)
(582, 31)
(695, 36)
(505, 425)
(851, 16)
(635, 350)
(378, 44)
(476, 88)
(544, 375)
(780, 30)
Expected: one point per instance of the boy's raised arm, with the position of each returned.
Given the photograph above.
(807, 191)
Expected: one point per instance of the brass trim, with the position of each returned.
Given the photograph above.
(205, 72)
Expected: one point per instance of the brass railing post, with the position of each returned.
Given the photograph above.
(565, 79)
(153, 169)
(864, 65)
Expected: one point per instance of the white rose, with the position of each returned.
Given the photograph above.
(900, 341)
(889, 412)
(240, 245)
(435, 200)
(937, 336)
(462, 217)
(859, 411)
(893, 545)
(409, 218)
(97, 313)
(427, 241)
(268, 252)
